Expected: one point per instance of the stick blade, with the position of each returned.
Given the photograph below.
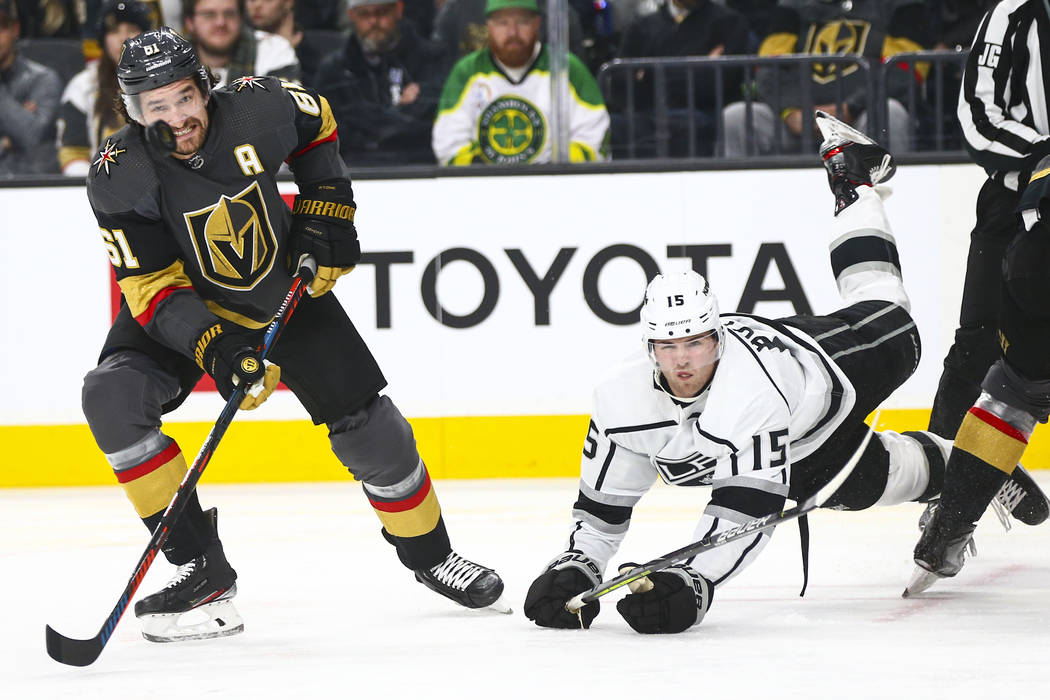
(72, 652)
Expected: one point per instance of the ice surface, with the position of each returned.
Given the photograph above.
(329, 612)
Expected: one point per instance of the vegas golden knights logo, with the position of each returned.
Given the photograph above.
(235, 244)
(847, 37)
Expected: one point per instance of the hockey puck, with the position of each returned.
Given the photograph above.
(160, 138)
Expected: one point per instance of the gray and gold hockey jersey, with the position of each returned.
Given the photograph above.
(195, 239)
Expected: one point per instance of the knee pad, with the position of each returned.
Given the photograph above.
(122, 399)
(1023, 401)
(375, 444)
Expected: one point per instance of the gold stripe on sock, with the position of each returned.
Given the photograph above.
(152, 492)
(989, 444)
(413, 522)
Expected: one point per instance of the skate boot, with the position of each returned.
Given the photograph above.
(942, 549)
(198, 601)
(852, 159)
(1022, 498)
(467, 583)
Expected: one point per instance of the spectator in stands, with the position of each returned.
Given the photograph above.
(680, 28)
(278, 17)
(229, 47)
(29, 95)
(318, 14)
(495, 105)
(88, 113)
(954, 26)
(955, 21)
(50, 19)
(757, 13)
(873, 29)
(461, 27)
(384, 86)
(159, 13)
(421, 14)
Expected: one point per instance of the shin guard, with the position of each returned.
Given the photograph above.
(411, 518)
(987, 448)
(150, 472)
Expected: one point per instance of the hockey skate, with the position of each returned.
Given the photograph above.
(1021, 498)
(469, 584)
(198, 601)
(941, 554)
(942, 549)
(852, 159)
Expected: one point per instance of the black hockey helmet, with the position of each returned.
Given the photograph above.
(154, 59)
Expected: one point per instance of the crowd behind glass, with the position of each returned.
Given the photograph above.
(400, 74)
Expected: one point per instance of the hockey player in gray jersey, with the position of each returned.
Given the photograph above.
(201, 243)
(763, 410)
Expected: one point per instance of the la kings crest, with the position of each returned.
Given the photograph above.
(234, 242)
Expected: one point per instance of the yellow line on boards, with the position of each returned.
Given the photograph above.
(474, 447)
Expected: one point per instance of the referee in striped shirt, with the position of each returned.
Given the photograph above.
(1003, 110)
(996, 381)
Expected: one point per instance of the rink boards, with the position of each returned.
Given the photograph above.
(493, 304)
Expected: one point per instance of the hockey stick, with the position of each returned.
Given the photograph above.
(82, 652)
(766, 522)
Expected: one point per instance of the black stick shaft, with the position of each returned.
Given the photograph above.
(82, 652)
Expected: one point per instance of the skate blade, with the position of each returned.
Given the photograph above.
(219, 619)
(920, 581)
(498, 606)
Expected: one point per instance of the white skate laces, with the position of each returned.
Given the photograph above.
(880, 172)
(182, 573)
(456, 572)
(1008, 498)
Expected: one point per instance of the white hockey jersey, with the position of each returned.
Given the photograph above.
(775, 397)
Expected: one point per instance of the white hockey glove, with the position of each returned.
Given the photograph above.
(566, 575)
(674, 600)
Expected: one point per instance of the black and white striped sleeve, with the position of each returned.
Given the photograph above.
(1005, 131)
(612, 480)
(749, 482)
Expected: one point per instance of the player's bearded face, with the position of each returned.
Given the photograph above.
(687, 363)
(512, 35)
(182, 105)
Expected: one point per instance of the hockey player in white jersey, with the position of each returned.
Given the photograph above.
(763, 410)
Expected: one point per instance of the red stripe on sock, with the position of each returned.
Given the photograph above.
(406, 504)
(999, 424)
(150, 465)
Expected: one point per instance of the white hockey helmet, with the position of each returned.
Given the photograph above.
(679, 305)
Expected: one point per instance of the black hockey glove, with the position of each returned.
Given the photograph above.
(323, 226)
(230, 358)
(570, 573)
(677, 599)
